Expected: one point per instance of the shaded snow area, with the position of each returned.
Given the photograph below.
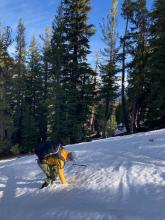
(124, 180)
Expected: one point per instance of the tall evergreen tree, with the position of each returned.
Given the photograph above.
(156, 101)
(93, 123)
(138, 71)
(58, 50)
(33, 94)
(109, 69)
(78, 74)
(6, 65)
(19, 81)
(127, 13)
(46, 84)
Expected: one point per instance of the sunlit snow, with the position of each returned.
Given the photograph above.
(124, 180)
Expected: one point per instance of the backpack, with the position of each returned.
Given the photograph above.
(47, 149)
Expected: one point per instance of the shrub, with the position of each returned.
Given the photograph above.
(15, 149)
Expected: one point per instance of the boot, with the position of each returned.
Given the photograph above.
(45, 184)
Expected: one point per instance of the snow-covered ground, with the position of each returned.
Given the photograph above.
(124, 180)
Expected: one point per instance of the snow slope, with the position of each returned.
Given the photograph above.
(124, 180)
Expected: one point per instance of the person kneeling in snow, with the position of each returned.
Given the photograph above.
(51, 159)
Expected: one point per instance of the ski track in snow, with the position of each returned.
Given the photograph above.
(124, 180)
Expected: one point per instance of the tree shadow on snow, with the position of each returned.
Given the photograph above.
(145, 202)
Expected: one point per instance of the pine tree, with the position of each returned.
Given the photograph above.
(109, 69)
(93, 123)
(127, 13)
(6, 65)
(138, 70)
(78, 74)
(46, 79)
(58, 100)
(31, 112)
(156, 100)
(18, 81)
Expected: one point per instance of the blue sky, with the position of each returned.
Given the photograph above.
(37, 14)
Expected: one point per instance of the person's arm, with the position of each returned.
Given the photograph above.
(60, 171)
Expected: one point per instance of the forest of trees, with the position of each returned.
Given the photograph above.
(51, 90)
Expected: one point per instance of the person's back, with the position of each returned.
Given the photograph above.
(44, 149)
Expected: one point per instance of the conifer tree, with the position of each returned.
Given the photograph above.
(138, 71)
(156, 100)
(123, 109)
(19, 81)
(77, 72)
(6, 65)
(109, 69)
(58, 59)
(46, 89)
(31, 112)
(93, 122)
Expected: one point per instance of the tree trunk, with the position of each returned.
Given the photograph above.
(125, 114)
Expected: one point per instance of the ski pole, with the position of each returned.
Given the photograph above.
(80, 165)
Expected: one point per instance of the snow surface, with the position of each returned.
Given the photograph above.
(124, 180)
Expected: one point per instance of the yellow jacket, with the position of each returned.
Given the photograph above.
(59, 164)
